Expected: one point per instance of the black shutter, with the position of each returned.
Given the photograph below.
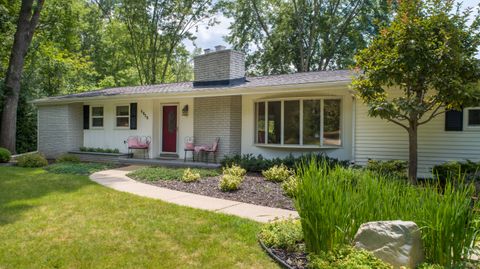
(454, 120)
(86, 117)
(133, 116)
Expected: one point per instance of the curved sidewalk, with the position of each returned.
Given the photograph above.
(117, 180)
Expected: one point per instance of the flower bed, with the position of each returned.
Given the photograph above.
(254, 189)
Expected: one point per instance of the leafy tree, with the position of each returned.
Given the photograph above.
(302, 35)
(27, 22)
(427, 57)
(157, 28)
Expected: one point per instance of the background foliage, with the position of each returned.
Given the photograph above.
(83, 45)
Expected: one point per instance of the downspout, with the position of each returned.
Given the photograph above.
(354, 113)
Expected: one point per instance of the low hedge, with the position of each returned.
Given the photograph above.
(32, 160)
(258, 164)
(100, 150)
(454, 169)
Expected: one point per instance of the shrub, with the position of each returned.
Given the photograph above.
(101, 150)
(234, 170)
(346, 257)
(284, 234)
(230, 182)
(334, 202)
(393, 168)
(5, 155)
(68, 158)
(290, 186)
(259, 163)
(277, 173)
(77, 168)
(190, 176)
(32, 160)
(457, 170)
(232, 178)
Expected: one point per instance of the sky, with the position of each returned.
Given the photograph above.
(209, 37)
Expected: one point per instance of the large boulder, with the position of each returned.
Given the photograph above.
(398, 243)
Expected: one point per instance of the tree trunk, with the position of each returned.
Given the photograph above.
(412, 153)
(23, 37)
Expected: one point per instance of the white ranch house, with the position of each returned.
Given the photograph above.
(271, 115)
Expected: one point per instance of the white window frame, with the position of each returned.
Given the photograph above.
(97, 117)
(465, 119)
(128, 116)
(301, 99)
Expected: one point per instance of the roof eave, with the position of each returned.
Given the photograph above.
(200, 93)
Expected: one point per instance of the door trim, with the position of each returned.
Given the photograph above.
(161, 128)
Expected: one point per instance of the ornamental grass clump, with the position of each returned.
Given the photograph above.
(190, 175)
(232, 178)
(334, 202)
(32, 160)
(277, 173)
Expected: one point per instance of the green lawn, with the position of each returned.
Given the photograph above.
(66, 221)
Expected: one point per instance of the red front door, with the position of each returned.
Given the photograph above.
(169, 130)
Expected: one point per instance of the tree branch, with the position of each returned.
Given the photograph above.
(433, 115)
(399, 124)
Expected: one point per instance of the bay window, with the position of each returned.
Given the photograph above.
(313, 122)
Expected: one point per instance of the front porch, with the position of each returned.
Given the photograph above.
(168, 163)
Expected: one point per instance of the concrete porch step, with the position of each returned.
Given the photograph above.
(168, 156)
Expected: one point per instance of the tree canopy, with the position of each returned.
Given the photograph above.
(303, 35)
(428, 54)
(82, 45)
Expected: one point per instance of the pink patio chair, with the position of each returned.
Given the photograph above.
(212, 149)
(139, 142)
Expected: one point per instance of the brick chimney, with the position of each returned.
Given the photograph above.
(222, 67)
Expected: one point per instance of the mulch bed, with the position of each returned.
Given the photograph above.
(254, 190)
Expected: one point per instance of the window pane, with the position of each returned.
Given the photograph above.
(274, 122)
(311, 122)
(291, 124)
(331, 125)
(97, 111)
(260, 122)
(122, 110)
(474, 117)
(122, 121)
(97, 122)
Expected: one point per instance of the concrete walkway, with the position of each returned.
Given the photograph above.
(117, 180)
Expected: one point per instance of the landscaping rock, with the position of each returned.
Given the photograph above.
(397, 242)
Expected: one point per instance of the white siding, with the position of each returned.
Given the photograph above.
(381, 140)
(115, 138)
(248, 126)
(149, 123)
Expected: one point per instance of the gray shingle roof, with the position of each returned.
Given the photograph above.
(252, 82)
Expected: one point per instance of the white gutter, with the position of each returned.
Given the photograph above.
(210, 92)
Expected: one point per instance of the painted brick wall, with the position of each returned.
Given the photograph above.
(219, 65)
(218, 117)
(60, 129)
